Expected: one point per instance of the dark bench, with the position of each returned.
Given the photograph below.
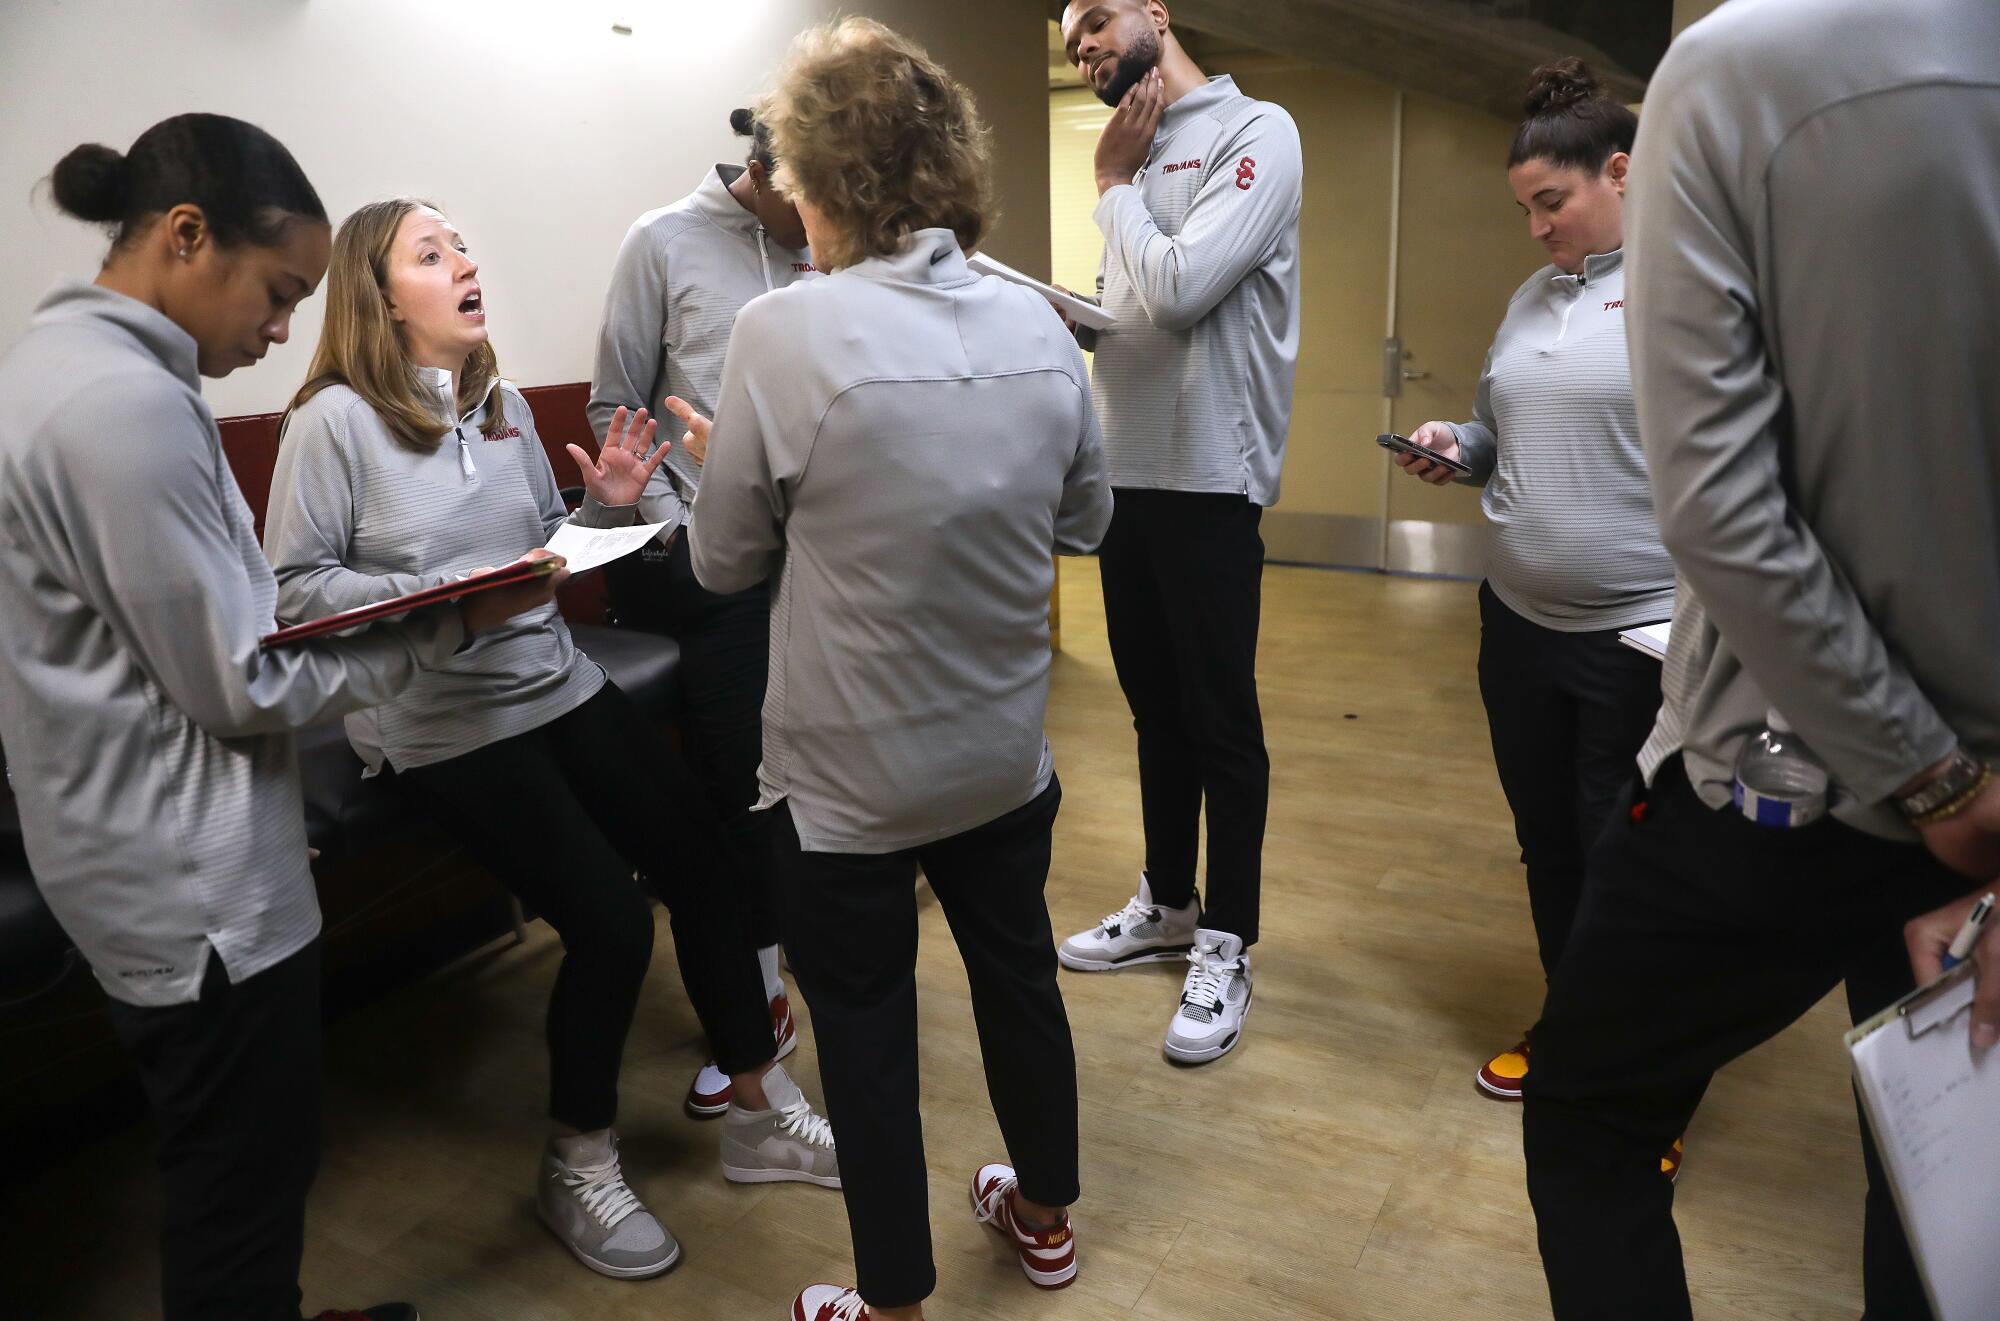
(393, 888)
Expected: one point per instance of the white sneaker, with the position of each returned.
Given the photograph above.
(588, 1206)
(1140, 932)
(786, 1144)
(1215, 999)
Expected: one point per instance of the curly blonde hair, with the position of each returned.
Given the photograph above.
(874, 135)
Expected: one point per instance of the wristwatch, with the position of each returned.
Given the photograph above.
(1964, 777)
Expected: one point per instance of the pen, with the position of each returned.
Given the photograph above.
(1961, 944)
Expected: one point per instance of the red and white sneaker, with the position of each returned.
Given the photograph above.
(1048, 1256)
(828, 1302)
(709, 1094)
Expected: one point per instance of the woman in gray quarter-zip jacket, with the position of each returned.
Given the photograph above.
(683, 273)
(905, 445)
(406, 460)
(148, 735)
(1575, 553)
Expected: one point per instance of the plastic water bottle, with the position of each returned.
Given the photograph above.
(1779, 782)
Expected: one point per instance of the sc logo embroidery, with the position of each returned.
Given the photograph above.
(1246, 173)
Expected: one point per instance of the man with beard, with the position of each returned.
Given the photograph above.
(1199, 194)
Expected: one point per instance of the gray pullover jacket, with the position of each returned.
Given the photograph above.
(147, 734)
(1815, 256)
(356, 518)
(1555, 441)
(683, 273)
(904, 443)
(1201, 268)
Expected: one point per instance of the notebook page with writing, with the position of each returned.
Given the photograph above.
(1933, 1103)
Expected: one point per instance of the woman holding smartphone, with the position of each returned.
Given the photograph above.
(147, 732)
(406, 459)
(1575, 550)
(683, 273)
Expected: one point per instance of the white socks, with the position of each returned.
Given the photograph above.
(767, 959)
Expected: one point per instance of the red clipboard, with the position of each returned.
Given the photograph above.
(518, 572)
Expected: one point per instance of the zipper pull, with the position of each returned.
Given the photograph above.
(465, 456)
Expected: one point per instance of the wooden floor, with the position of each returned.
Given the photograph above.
(1339, 1164)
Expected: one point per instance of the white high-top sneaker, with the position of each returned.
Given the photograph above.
(1215, 999)
(1140, 932)
(587, 1205)
(787, 1143)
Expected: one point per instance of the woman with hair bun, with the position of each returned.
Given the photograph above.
(1575, 552)
(148, 734)
(683, 273)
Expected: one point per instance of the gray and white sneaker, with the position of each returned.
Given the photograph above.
(1215, 999)
(1140, 932)
(786, 1144)
(585, 1203)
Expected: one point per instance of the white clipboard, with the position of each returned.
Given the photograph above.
(1081, 310)
(1933, 1104)
(1650, 638)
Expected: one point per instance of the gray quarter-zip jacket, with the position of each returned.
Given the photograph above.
(356, 518)
(1201, 268)
(147, 734)
(1554, 439)
(904, 443)
(1815, 249)
(682, 275)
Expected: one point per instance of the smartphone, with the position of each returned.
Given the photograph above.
(1404, 445)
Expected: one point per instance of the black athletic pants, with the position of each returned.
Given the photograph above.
(851, 932)
(235, 1081)
(1701, 936)
(1182, 574)
(563, 814)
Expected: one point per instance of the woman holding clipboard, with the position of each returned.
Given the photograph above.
(147, 732)
(1576, 553)
(405, 459)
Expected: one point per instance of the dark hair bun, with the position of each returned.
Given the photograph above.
(1556, 87)
(92, 183)
(744, 122)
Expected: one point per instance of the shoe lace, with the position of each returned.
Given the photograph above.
(1131, 914)
(799, 1120)
(847, 1307)
(602, 1190)
(1208, 976)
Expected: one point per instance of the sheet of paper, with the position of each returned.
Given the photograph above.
(1081, 310)
(1651, 639)
(588, 548)
(1934, 1103)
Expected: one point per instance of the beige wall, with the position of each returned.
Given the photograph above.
(543, 132)
(1464, 249)
(999, 49)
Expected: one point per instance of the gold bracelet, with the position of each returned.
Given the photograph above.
(1951, 809)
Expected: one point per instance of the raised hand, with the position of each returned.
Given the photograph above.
(619, 473)
(1127, 139)
(695, 442)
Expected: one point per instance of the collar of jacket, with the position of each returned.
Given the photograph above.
(148, 327)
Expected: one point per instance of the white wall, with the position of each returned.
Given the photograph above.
(539, 130)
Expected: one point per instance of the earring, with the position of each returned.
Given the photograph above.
(184, 252)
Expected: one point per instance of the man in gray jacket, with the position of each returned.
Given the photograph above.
(1199, 194)
(1815, 261)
